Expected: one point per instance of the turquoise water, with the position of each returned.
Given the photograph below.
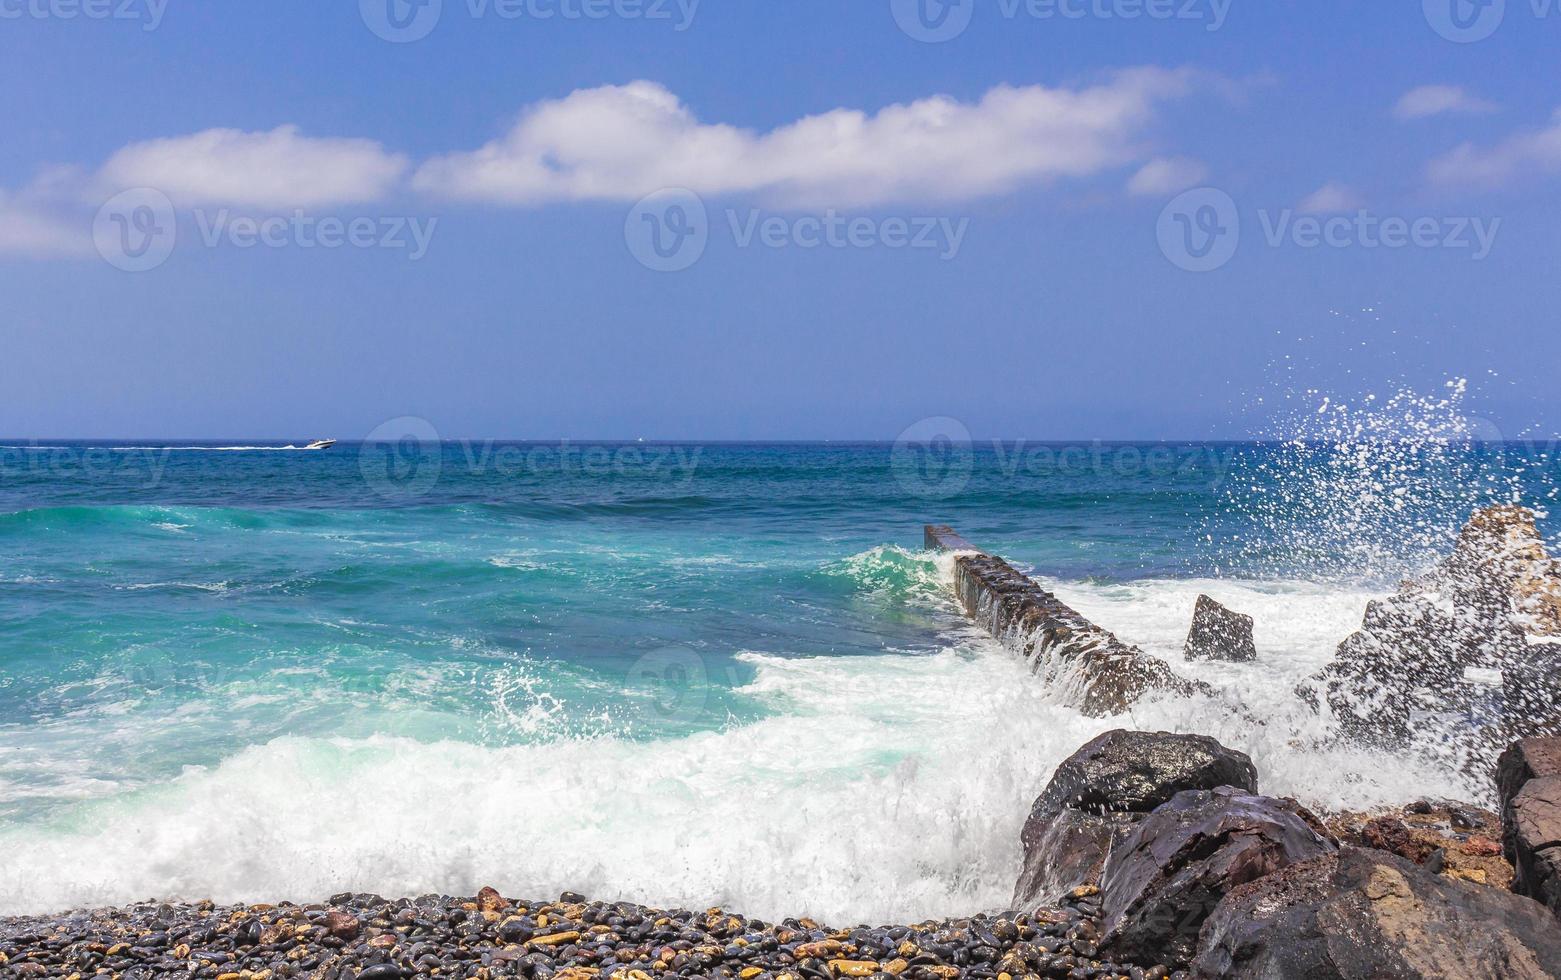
(687, 674)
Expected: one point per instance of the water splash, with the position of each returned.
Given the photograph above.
(1372, 490)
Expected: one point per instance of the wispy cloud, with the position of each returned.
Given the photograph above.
(1330, 198)
(1531, 151)
(1167, 175)
(620, 142)
(1434, 100)
(278, 169)
(31, 227)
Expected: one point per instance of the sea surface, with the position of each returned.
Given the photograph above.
(680, 674)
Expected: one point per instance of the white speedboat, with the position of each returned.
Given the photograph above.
(321, 444)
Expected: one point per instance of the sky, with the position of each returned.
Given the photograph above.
(669, 219)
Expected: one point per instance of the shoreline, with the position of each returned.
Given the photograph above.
(367, 937)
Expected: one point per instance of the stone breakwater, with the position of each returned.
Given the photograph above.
(1103, 675)
(365, 937)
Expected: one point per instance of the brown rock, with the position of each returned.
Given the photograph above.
(1162, 882)
(489, 900)
(1366, 914)
(1389, 834)
(342, 925)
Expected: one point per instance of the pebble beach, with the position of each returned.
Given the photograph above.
(366, 937)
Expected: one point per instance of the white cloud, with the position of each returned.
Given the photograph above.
(1534, 151)
(278, 169)
(1433, 100)
(1167, 175)
(29, 228)
(618, 143)
(1330, 198)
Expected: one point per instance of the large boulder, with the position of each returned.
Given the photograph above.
(1500, 566)
(1363, 915)
(1138, 771)
(1169, 874)
(1528, 780)
(1217, 633)
(1457, 643)
(1100, 793)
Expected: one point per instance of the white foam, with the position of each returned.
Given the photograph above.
(891, 787)
(1297, 628)
(882, 788)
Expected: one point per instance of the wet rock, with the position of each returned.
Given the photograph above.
(489, 900)
(1171, 872)
(1068, 852)
(1100, 793)
(1500, 567)
(1365, 914)
(1219, 634)
(1528, 778)
(1109, 675)
(342, 925)
(1391, 835)
(1457, 642)
(1526, 760)
(1138, 771)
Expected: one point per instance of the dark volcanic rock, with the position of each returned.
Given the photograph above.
(1219, 634)
(1066, 648)
(1176, 866)
(1528, 779)
(1099, 794)
(1531, 758)
(1138, 771)
(1067, 851)
(1365, 914)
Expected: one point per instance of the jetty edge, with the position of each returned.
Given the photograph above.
(1107, 676)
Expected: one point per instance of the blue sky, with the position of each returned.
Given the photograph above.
(1045, 176)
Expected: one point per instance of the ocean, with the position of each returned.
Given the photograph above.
(676, 674)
